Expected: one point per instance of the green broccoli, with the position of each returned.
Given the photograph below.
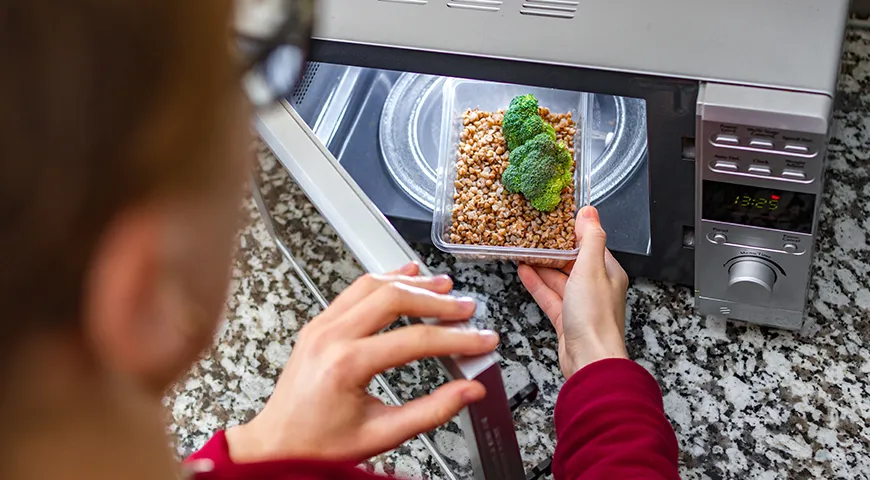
(539, 169)
(522, 122)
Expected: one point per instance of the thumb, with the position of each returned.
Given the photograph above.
(425, 413)
(593, 242)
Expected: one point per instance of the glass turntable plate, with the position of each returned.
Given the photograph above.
(410, 134)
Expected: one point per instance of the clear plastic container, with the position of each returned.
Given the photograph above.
(461, 95)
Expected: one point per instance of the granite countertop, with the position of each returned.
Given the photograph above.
(745, 401)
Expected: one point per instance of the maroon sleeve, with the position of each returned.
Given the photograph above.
(610, 423)
(213, 462)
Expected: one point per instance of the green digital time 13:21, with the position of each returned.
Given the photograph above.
(771, 203)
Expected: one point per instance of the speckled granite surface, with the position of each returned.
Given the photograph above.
(746, 402)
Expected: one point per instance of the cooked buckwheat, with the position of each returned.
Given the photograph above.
(484, 213)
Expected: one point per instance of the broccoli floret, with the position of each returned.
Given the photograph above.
(539, 169)
(522, 122)
(511, 178)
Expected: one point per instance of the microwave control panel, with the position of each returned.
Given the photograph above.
(760, 163)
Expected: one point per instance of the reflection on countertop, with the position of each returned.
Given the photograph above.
(746, 402)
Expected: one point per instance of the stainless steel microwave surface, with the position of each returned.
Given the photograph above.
(384, 128)
(792, 44)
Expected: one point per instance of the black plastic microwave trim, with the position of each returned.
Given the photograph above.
(671, 107)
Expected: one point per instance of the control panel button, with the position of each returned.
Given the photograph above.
(727, 139)
(719, 238)
(790, 248)
(759, 170)
(759, 143)
(725, 165)
(794, 174)
(794, 147)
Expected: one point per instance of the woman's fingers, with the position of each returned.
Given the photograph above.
(407, 344)
(593, 243)
(615, 272)
(397, 424)
(555, 280)
(384, 305)
(549, 301)
(408, 270)
(368, 284)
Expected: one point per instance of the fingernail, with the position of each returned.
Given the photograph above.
(408, 268)
(488, 334)
(471, 395)
(467, 301)
(589, 213)
(442, 279)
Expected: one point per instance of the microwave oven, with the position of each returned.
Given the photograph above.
(709, 125)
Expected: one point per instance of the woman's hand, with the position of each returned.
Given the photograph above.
(320, 408)
(585, 300)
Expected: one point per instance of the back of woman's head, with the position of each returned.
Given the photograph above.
(103, 104)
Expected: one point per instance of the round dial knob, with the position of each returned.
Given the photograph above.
(751, 281)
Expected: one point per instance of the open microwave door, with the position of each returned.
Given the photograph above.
(487, 425)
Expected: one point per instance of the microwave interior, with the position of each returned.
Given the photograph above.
(384, 126)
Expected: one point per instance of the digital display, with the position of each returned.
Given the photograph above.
(758, 207)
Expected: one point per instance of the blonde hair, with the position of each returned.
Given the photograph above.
(103, 104)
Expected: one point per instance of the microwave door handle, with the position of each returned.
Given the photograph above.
(488, 424)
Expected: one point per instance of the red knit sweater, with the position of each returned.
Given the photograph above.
(610, 423)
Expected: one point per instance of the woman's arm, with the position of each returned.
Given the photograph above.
(609, 417)
(610, 424)
(320, 421)
(213, 462)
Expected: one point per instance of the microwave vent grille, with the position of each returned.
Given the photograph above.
(304, 83)
(409, 2)
(550, 8)
(479, 5)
